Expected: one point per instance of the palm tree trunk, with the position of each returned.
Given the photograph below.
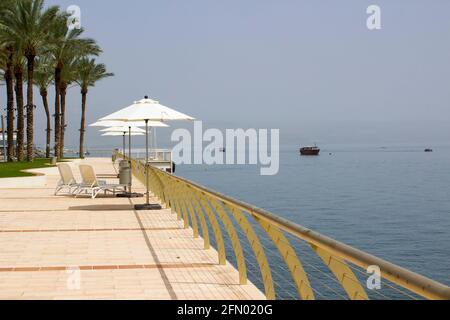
(83, 121)
(49, 123)
(10, 105)
(57, 110)
(63, 120)
(30, 109)
(18, 73)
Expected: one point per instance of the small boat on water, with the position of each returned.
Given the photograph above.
(428, 150)
(310, 151)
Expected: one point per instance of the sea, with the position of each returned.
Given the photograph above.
(392, 201)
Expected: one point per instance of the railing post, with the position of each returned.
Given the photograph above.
(235, 241)
(255, 244)
(290, 258)
(215, 227)
(191, 211)
(204, 226)
(343, 274)
(169, 192)
(183, 205)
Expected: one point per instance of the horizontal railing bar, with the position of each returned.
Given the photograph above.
(414, 282)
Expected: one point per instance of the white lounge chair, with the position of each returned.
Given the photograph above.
(91, 186)
(67, 181)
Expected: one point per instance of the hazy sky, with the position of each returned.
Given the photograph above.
(310, 68)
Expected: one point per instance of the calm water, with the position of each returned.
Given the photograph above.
(391, 202)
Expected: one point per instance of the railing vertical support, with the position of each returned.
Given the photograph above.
(290, 258)
(194, 222)
(235, 241)
(257, 248)
(343, 274)
(215, 227)
(204, 226)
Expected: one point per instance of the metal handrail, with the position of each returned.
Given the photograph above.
(418, 284)
(167, 188)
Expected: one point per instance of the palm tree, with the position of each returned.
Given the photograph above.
(7, 76)
(7, 53)
(5, 66)
(68, 75)
(9, 79)
(26, 23)
(88, 74)
(18, 67)
(43, 78)
(65, 46)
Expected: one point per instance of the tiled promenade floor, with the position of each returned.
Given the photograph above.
(66, 248)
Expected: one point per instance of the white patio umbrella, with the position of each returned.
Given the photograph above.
(122, 134)
(131, 129)
(126, 124)
(118, 134)
(146, 110)
(124, 131)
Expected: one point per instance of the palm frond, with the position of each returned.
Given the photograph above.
(89, 73)
(44, 72)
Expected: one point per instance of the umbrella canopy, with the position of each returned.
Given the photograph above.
(146, 110)
(127, 124)
(117, 134)
(123, 129)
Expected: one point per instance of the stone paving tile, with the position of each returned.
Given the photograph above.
(41, 235)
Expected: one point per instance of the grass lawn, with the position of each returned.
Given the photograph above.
(14, 169)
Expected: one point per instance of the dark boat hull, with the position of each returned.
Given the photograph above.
(309, 152)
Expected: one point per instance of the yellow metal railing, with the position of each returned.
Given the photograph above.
(195, 205)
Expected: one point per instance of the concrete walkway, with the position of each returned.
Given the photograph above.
(59, 247)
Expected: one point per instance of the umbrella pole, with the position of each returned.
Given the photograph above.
(129, 143)
(129, 152)
(147, 205)
(146, 163)
(128, 194)
(124, 142)
(149, 134)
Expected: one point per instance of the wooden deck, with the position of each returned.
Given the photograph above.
(59, 247)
